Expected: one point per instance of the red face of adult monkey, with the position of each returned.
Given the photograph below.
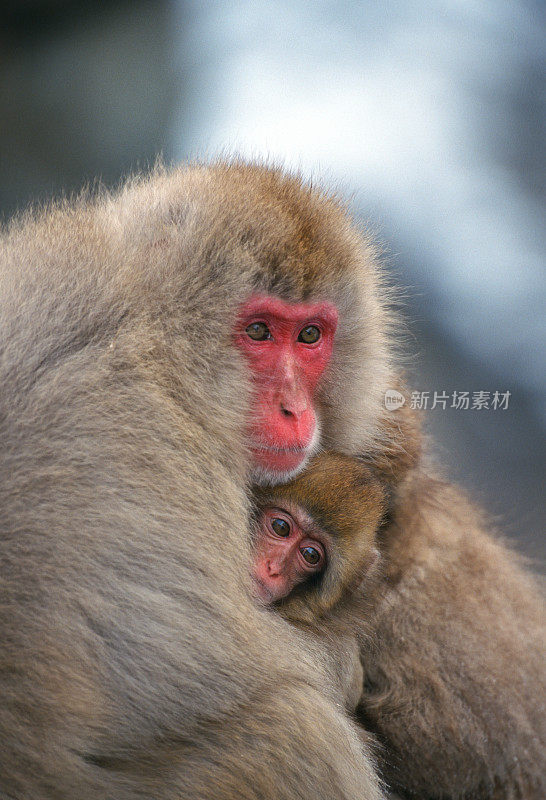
(288, 346)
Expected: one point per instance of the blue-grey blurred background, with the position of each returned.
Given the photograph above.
(429, 113)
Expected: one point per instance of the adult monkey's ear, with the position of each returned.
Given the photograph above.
(398, 445)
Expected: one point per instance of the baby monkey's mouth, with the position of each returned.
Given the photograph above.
(261, 591)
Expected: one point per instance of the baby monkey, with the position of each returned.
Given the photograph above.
(315, 538)
(433, 638)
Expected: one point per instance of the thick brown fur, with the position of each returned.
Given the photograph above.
(454, 655)
(451, 628)
(133, 660)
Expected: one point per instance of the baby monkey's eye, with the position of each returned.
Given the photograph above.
(311, 555)
(309, 335)
(258, 331)
(281, 527)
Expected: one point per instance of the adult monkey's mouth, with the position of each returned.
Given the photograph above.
(276, 449)
(280, 459)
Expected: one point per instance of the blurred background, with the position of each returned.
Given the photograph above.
(430, 114)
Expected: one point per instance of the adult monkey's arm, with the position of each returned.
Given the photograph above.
(454, 651)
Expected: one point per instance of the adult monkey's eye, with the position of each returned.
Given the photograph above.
(258, 331)
(281, 527)
(311, 555)
(309, 335)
